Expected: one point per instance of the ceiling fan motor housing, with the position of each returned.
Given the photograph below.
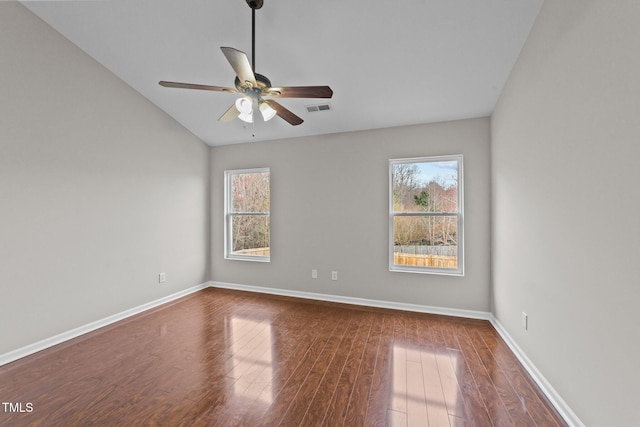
(262, 83)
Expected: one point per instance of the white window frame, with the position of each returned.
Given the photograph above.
(459, 271)
(228, 217)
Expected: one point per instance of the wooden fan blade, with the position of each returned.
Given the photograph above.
(300, 92)
(196, 86)
(230, 114)
(284, 113)
(240, 64)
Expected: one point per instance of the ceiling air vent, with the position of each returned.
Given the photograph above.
(318, 107)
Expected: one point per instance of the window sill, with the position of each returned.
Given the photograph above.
(252, 258)
(422, 270)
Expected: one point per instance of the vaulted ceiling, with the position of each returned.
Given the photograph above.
(389, 63)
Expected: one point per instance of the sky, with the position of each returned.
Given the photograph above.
(446, 171)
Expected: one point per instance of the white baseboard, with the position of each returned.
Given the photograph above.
(65, 336)
(470, 314)
(556, 400)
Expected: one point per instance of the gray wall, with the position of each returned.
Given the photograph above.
(99, 190)
(565, 150)
(329, 210)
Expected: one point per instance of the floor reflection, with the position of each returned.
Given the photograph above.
(250, 365)
(424, 386)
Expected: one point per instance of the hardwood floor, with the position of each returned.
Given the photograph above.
(225, 358)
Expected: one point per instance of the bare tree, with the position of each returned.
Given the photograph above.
(404, 184)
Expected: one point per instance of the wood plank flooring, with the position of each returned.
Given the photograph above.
(229, 358)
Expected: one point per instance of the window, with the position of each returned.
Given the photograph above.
(425, 215)
(247, 205)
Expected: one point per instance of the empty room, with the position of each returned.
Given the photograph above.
(260, 212)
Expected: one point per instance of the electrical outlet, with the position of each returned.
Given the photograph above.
(314, 274)
(334, 275)
(162, 277)
(525, 321)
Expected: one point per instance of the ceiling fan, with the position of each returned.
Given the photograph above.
(256, 88)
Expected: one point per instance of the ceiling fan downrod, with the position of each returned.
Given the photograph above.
(253, 4)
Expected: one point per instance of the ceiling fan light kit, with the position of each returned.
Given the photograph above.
(244, 106)
(256, 89)
(268, 113)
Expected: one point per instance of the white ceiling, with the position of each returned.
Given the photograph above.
(389, 63)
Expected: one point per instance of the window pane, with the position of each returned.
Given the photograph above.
(425, 186)
(250, 234)
(428, 241)
(250, 192)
